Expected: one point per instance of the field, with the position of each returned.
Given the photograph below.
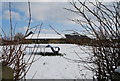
(60, 67)
(66, 66)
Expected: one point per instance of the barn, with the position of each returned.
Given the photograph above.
(45, 38)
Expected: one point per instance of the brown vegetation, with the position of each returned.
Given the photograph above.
(103, 23)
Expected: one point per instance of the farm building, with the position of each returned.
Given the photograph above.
(50, 38)
(45, 38)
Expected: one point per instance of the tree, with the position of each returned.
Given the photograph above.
(102, 22)
(14, 55)
(18, 36)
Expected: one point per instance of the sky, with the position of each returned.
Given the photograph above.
(48, 12)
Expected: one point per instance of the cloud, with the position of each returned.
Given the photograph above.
(47, 30)
(15, 15)
(23, 28)
(48, 11)
(35, 0)
(36, 30)
(51, 0)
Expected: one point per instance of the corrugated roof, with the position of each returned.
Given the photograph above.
(45, 36)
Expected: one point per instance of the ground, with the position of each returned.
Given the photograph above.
(59, 67)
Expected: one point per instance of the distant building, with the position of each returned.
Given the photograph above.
(51, 38)
(55, 38)
(76, 38)
(45, 38)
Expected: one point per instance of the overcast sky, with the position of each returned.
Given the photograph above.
(48, 12)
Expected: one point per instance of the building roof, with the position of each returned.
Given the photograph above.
(45, 36)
